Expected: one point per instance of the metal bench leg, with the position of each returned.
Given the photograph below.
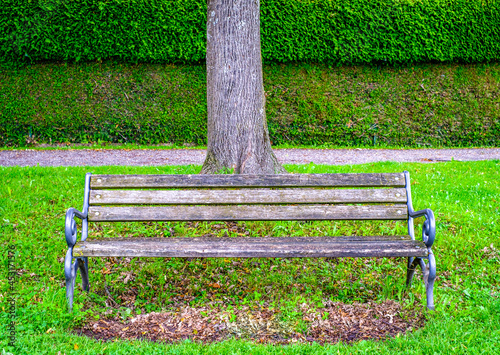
(70, 270)
(83, 265)
(429, 270)
(412, 266)
(429, 273)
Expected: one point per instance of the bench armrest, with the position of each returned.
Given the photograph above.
(70, 229)
(429, 227)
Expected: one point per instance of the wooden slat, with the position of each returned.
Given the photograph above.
(252, 247)
(248, 213)
(278, 180)
(245, 196)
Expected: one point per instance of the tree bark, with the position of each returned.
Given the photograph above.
(237, 137)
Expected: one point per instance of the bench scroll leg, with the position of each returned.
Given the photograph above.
(429, 275)
(70, 270)
(429, 270)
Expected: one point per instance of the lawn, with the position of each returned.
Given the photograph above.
(464, 195)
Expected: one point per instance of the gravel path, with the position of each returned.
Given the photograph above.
(88, 157)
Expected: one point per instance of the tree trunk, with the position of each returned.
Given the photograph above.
(238, 137)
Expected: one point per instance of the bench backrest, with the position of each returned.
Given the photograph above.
(247, 197)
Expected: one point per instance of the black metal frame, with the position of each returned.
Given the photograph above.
(70, 229)
(428, 236)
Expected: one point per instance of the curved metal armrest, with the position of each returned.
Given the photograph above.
(429, 228)
(70, 229)
(72, 212)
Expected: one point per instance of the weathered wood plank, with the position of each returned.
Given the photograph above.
(278, 180)
(251, 247)
(248, 213)
(245, 196)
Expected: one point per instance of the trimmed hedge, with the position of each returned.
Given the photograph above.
(326, 31)
(439, 105)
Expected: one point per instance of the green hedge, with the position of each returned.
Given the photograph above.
(326, 31)
(440, 105)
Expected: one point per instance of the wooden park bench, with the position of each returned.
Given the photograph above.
(283, 197)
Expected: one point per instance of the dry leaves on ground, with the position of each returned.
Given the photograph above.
(334, 323)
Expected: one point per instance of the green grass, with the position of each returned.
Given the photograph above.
(438, 105)
(464, 195)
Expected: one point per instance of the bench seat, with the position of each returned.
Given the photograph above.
(250, 247)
